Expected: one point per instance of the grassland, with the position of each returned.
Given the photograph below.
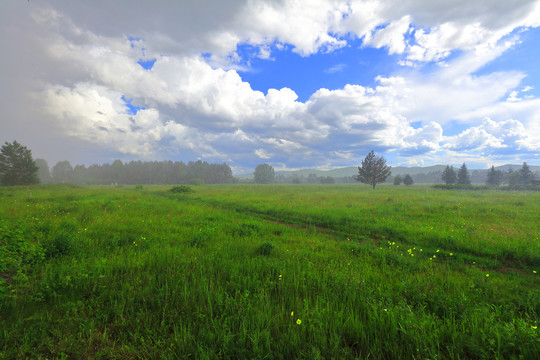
(269, 272)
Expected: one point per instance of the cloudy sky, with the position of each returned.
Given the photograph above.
(296, 84)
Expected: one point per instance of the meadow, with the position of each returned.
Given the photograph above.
(268, 272)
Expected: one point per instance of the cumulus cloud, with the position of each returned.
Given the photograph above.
(85, 58)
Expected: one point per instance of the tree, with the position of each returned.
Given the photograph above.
(44, 175)
(62, 172)
(449, 175)
(408, 180)
(494, 177)
(526, 176)
(373, 170)
(397, 180)
(463, 176)
(512, 177)
(17, 166)
(264, 174)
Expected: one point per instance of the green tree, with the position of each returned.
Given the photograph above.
(43, 173)
(373, 170)
(17, 167)
(264, 174)
(449, 175)
(398, 180)
(526, 176)
(512, 177)
(62, 172)
(463, 176)
(408, 180)
(494, 177)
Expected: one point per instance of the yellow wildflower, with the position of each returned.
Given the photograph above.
(298, 321)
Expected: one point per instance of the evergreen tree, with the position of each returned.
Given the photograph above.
(373, 170)
(463, 176)
(397, 180)
(449, 175)
(526, 176)
(494, 177)
(408, 180)
(17, 167)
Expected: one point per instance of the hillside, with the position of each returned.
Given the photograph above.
(398, 170)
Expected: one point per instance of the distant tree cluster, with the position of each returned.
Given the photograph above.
(449, 176)
(264, 174)
(523, 176)
(137, 172)
(407, 180)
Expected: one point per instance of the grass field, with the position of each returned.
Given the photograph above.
(269, 272)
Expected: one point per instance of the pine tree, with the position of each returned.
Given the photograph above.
(526, 176)
(494, 177)
(373, 170)
(463, 176)
(449, 175)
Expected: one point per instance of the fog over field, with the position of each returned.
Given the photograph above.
(295, 84)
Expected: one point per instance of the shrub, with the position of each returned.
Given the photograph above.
(201, 237)
(265, 249)
(60, 245)
(181, 189)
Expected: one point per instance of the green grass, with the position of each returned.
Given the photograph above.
(275, 272)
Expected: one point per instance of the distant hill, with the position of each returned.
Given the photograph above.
(397, 170)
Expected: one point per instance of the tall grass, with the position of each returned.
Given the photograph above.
(276, 272)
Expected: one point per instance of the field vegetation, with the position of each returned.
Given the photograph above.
(268, 271)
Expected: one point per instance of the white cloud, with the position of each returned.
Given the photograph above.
(201, 104)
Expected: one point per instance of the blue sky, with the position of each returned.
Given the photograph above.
(304, 84)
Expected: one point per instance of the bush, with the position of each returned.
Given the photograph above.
(138, 187)
(16, 250)
(201, 237)
(196, 181)
(265, 249)
(181, 189)
(60, 245)
(461, 187)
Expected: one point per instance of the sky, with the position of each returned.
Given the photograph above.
(295, 84)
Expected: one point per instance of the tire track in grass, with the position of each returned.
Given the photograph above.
(470, 258)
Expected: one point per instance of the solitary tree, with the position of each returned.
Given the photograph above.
(463, 176)
(264, 174)
(373, 170)
(17, 166)
(407, 180)
(397, 180)
(494, 177)
(449, 175)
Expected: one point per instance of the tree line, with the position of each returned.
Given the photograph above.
(137, 172)
(523, 176)
(17, 167)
